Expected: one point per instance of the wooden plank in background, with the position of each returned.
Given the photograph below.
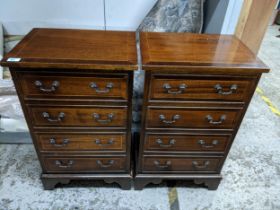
(253, 22)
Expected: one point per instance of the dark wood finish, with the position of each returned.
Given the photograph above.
(78, 116)
(211, 181)
(79, 86)
(197, 90)
(49, 184)
(73, 164)
(164, 87)
(75, 88)
(169, 143)
(51, 180)
(181, 164)
(173, 50)
(75, 142)
(75, 49)
(192, 118)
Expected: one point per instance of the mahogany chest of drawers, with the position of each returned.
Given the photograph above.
(75, 87)
(197, 90)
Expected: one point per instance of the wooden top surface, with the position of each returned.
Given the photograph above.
(68, 48)
(182, 50)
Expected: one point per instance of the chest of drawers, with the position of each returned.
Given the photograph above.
(197, 90)
(75, 88)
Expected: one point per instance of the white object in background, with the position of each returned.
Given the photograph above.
(10, 45)
(19, 17)
(1, 49)
(126, 14)
(6, 88)
(10, 107)
(232, 16)
(13, 125)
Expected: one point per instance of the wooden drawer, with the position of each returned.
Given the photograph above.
(192, 118)
(63, 164)
(78, 116)
(69, 142)
(201, 88)
(48, 85)
(181, 164)
(186, 143)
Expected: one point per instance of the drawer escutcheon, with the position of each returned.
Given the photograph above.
(102, 165)
(53, 88)
(170, 144)
(108, 120)
(173, 120)
(201, 166)
(107, 89)
(211, 120)
(63, 144)
(62, 164)
(162, 166)
(180, 90)
(109, 142)
(219, 89)
(59, 117)
(207, 146)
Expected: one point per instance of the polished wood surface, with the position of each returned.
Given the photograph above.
(78, 134)
(185, 87)
(78, 116)
(197, 90)
(191, 118)
(75, 88)
(49, 85)
(82, 49)
(184, 143)
(173, 50)
(64, 164)
(77, 142)
(181, 164)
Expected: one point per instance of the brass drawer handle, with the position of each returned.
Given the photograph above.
(181, 88)
(201, 166)
(97, 117)
(170, 144)
(62, 164)
(162, 166)
(174, 119)
(204, 145)
(107, 88)
(219, 89)
(110, 163)
(54, 86)
(63, 144)
(109, 142)
(59, 117)
(211, 121)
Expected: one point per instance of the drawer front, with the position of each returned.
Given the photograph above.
(84, 164)
(186, 143)
(192, 118)
(192, 88)
(78, 116)
(81, 142)
(181, 164)
(88, 86)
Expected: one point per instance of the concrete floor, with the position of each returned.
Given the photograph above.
(251, 172)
